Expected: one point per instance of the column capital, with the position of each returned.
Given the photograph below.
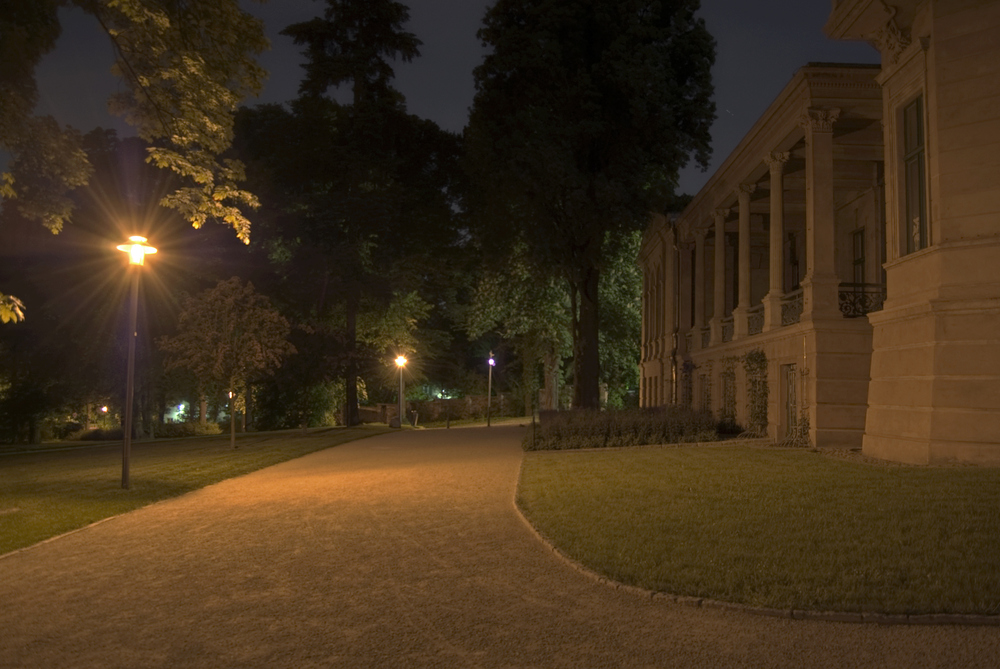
(819, 120)
(699, 234)
(776, 159)
(747, 189)
(721, 214)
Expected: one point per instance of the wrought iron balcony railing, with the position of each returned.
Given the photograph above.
(791, 307)
(861, 299)
(755, 320)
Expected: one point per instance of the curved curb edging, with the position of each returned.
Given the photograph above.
(793, 614)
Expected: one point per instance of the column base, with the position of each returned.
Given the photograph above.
(741, 328)
(820, 298)
(772, 311)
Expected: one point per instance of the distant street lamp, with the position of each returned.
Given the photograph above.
(401, 362)
(137, 252)
(489, 389)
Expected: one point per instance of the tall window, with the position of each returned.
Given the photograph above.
(915, 228)
(858, 244)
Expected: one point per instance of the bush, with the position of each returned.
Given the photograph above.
(179, 430)
(111, 434)
(630, 427)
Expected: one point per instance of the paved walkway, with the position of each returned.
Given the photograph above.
(403, 550)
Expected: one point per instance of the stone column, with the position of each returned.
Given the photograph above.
(772, 302)
(686, 323)
(742, 309)
(699, 286)
(821, 282)
(719, 297)
(669, 316)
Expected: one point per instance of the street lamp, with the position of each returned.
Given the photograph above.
(401, 362)
(489, 389)
(137, 252)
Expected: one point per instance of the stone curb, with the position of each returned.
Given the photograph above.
(793, 614)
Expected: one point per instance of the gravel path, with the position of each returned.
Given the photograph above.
(403, 550)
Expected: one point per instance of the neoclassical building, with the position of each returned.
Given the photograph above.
(853, 238)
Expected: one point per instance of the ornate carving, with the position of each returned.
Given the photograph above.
(776, 160)
(889, 39)
(819, 119)
(747, 189)
(721, 214)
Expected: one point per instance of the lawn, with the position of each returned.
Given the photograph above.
(46, 493)
(776, 528)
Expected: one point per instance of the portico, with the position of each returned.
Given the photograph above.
(771, 255)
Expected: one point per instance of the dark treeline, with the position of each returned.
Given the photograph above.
(379, 234)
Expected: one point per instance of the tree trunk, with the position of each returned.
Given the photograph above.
(351, 415)
(232, 416)
(550, 400)
(248, 408)
(203, 410)
(586, 358)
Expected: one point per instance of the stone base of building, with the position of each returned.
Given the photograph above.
(935, 390)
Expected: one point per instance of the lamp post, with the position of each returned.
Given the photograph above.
(401, 362)
(489, 389)
(137, 252)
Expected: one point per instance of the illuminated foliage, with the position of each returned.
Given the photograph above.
(184, 68)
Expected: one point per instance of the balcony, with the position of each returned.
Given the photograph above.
(791, 307)
(755, 320)
(727, 328)
(860, 299)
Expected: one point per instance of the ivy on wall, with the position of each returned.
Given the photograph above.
(755, 366)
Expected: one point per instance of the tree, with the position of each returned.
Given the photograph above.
(11, 309)
(184, 68)
(529, 307)
(228, 336)
(621, 322)
(363, 188)
(585, 111)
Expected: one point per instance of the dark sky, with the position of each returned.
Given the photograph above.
(760, 45)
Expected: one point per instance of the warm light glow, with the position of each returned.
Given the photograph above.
(400, 361)
(492, 362)
(137, 250)
(104, 409)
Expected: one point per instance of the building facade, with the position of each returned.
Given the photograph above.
(853, 238)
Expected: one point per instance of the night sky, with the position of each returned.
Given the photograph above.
(760, 45)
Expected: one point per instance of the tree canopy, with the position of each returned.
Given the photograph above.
(184, 67)
(585, 112)
(227, 336)
(354, 193)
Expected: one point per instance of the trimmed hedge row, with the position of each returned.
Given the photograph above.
(560, 430)
(165, 431)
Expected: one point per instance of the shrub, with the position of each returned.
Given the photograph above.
(630, 427)
(179, 430)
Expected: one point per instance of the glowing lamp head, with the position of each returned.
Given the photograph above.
(493, 362)
(400, 361)
(137, 250)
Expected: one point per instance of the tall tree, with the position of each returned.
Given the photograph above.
(585, 112)
(228, 336)
(379, 162)
(184, 68)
